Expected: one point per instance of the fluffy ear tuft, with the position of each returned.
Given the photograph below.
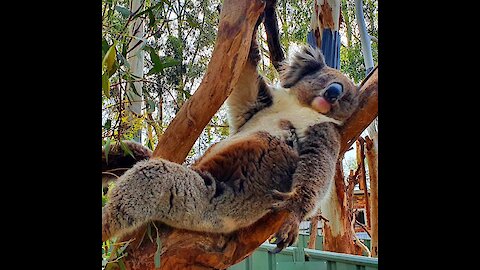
(303, 62)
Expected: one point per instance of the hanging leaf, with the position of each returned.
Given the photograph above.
(108, 124)
(149, 232)
(150, 106)
(121, 264)
(149, 10)
(158, 252)
(151, 19)
(106, 85)
(105, 47)
(107, 149)
(165, 62)
(153, 56)
(124, 11)
(150, 145)
(186, 94)
(191, 21)
(126, 150)
(109, 60)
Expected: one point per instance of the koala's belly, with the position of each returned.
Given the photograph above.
(253, 163)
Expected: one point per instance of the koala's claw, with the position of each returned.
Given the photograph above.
(287, 235)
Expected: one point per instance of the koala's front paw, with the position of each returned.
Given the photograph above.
(287, 235)
(282, 200)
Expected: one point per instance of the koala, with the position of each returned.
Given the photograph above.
(281, 155)
(116, 162)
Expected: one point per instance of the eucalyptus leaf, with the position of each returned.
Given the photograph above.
(158, 252)
(105, 47)
(150, 145)
(149, 10)
(164, 63)
(108, 124)
(121, 264)
(109, 59)
(106, 84)
(126, 150)
(151, 19)
(191, 21)
(151, 106)
(107, 149)
(149, 231)
(124, 11)
(186, 93)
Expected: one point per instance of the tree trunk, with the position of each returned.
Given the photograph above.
(136, 62)
(372, 159)
(337, 233)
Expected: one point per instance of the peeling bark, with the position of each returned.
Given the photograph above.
(337, 234)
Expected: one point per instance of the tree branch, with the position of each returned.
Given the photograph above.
(365, 113)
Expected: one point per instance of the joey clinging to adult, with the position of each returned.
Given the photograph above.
(281, 154)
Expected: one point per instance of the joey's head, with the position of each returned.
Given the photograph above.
(324, 89)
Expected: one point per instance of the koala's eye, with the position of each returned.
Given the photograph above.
(333, 91)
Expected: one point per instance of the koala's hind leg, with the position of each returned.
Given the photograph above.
(164, 191)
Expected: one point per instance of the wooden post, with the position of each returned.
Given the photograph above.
(373, 172)
(313, 232)
(363, 177)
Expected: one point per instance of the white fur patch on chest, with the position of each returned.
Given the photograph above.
(285, 107)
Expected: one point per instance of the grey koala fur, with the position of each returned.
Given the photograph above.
(281, 154)
(115, 162)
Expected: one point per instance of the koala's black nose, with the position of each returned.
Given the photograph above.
(333, 91)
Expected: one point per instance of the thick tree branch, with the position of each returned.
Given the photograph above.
(365, 114)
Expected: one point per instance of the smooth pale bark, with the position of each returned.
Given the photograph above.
(136, 61)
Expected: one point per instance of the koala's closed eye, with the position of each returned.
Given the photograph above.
(333, 92)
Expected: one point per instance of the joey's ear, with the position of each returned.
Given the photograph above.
(303, 62)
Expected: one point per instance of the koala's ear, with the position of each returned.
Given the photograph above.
(305, 61)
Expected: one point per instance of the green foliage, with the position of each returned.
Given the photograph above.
(351, 58)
